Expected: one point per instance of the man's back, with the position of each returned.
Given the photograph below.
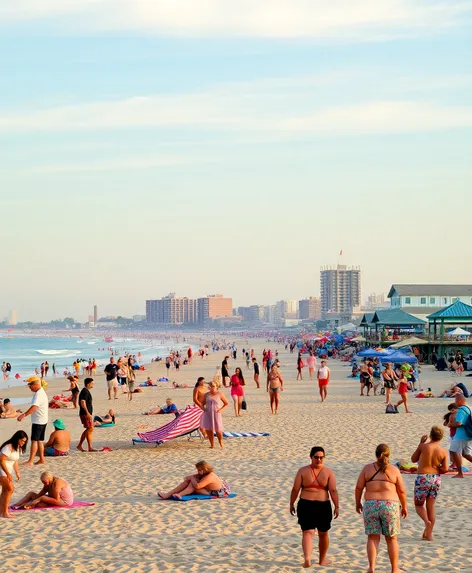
(432, 456)
(61, 440)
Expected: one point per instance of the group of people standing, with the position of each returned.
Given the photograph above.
(385, 499)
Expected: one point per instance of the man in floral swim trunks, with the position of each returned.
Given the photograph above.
(432, 461)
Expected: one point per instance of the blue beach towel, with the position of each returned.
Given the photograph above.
(107, 425)
(201, 497)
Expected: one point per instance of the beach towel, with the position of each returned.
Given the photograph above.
(106, 425)
(74, 505)
(200, 497)
(245, 434)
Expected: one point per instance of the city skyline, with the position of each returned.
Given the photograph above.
(232, 150)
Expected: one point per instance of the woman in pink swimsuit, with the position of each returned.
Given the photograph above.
(237, 392)
(56, 491)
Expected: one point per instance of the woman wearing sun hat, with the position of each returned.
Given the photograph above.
(59, 440)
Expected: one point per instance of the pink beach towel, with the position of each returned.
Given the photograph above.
(75, 504)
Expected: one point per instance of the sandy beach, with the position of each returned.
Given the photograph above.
(130, 530)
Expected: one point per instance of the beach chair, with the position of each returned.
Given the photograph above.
(186, 424)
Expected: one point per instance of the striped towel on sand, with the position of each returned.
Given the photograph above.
(245, 434)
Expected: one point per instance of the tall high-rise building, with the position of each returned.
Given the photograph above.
(340, 289)
(310, 308)
(13, 318)
(253, 313)
(214, 306)
(95, 314)
(172, 310)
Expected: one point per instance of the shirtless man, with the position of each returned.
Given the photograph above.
(59, 440)
(432, 461)
(317, 484)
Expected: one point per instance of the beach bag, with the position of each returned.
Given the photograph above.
(391, 409)
(468, 424)
(244, 404)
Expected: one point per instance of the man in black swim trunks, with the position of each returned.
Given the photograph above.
(317, 484)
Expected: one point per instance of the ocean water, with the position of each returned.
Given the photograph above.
(26, 353)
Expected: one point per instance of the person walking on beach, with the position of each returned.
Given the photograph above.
(275, 385)
(311, 363)
(237, 390)
(389, 378)
(9, 456)
(256, 372)
(300, 365)
(385, 498)
(317, 485)
(403, 391)
(111, 371)
(461, 444)
(39, 419)
(432, 461)
(85, 414)
(224, 371)
(323, 376)
(214, 402)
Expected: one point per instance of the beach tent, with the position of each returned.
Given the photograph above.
(412, 341)
(371, 353)
(398, 357)
(459, 332)
(187, 423)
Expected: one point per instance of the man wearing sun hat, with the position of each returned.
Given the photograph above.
(39, 418)
(59, 440)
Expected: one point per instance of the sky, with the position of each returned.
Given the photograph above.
(230, 146)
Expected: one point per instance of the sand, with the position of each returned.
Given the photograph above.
(130, 530)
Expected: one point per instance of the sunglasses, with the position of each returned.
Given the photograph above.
(318, 457)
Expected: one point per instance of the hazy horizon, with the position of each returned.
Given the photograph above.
(166, 147)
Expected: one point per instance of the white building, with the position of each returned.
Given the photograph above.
(421, 300)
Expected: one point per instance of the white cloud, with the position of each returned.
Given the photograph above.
(351, 19)
(116, 164)
(249, 110)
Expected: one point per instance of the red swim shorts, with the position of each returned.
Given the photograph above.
(322, 382)
(86, 422)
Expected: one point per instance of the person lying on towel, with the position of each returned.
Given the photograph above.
(169, 408)
(204, 482)
(106, 419)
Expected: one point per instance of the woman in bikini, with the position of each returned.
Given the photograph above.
(384, 498)
(403, 391)
(389, 378)
(317, 485)
(74, 389)
(275, 385)
(204, 482)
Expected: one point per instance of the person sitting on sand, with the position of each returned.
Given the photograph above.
(59, 440)
(432, 461)
(204, 482)
(55, 491)
(108, 418)
(8, 410)
(169, 408)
